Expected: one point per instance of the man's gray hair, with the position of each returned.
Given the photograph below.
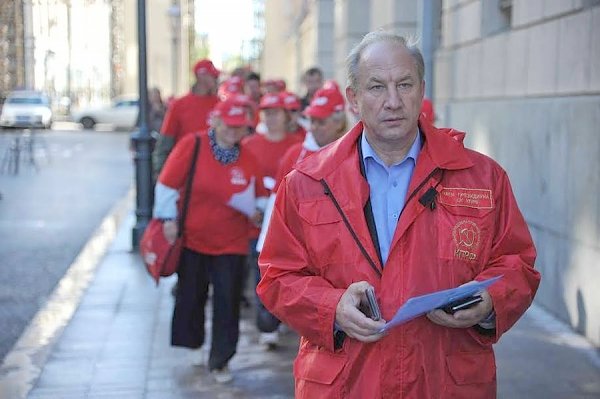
(353, 58)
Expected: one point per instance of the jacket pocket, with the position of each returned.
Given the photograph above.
(316, 372)
(323, 231)
(472, 368)
(319, 212)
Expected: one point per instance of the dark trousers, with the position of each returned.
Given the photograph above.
(187, 329)
(265, 321)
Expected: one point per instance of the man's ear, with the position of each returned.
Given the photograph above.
(351, 96)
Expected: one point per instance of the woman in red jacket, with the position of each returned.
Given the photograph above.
(227, 191)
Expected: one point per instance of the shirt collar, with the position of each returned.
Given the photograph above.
(369, 152)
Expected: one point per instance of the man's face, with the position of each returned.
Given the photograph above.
(206, 82)
(325, 130)
(313, 82)
(252, 89)
(389, 93)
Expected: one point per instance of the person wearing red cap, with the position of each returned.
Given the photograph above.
(328, 123)
(268, 147)
(292, 105)
(189, 113)
(233, 85)
(227, 194)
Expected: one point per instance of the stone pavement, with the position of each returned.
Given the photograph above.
(110, 339)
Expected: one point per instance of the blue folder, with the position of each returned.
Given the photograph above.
(419, 305)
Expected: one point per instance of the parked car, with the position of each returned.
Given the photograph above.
(121, 114)
(26, 109)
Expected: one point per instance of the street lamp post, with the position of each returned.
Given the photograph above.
(174, 13)
(141, 138)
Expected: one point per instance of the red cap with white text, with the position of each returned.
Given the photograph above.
(232, 113)
(325, 102)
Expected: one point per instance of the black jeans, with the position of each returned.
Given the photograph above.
(195, 272)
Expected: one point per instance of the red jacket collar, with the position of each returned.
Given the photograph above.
(444, 146)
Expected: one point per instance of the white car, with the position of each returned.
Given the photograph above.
(121, 114)
(26, 109)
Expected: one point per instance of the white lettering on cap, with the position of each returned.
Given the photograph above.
(235, 111)
(320, 101)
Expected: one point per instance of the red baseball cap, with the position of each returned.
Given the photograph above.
(291, 101)
(272, 100)
(233, 112)
(233, 85)
(206, 66)
(325, 102)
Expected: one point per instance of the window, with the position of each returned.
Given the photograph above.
(496, 16)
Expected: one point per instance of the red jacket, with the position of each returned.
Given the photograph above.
(212, 226)
(476, 231)
(188, 114)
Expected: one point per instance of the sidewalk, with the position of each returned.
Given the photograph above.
(116, 345)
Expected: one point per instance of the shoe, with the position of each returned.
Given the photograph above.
(270, 340)
(222, 375)
(197, 357)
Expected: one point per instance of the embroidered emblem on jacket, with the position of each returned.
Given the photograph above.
(466, 236)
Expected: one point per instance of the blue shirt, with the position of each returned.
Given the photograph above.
(388, 189)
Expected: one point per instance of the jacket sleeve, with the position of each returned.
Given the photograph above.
(290, 288)
(162, 148)
(513, 255)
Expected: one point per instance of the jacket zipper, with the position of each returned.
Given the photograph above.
(349, 227)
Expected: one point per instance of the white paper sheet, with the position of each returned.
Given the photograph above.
(244, 201)
(419, 305)
(265, 222)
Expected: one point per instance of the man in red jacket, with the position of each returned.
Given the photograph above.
(402, 207)
(188, 114)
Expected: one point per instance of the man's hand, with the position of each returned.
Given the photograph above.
(170, 230)
(354, 322)
(464, 318)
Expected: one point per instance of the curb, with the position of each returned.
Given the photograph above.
(24, 363)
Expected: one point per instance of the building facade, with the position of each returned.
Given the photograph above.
(522, 78)
(83, 52)
(170, 37)
(12, 47)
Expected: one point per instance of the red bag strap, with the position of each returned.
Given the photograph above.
(188, 187)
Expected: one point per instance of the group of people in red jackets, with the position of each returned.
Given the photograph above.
(251, 134)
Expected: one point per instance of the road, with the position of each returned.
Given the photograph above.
(48, 212)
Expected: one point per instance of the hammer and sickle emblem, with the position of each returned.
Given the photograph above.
(466, 237)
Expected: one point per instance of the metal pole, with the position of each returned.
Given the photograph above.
(70, 57)
(174, 14)
(141, 138)
(29, 42)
